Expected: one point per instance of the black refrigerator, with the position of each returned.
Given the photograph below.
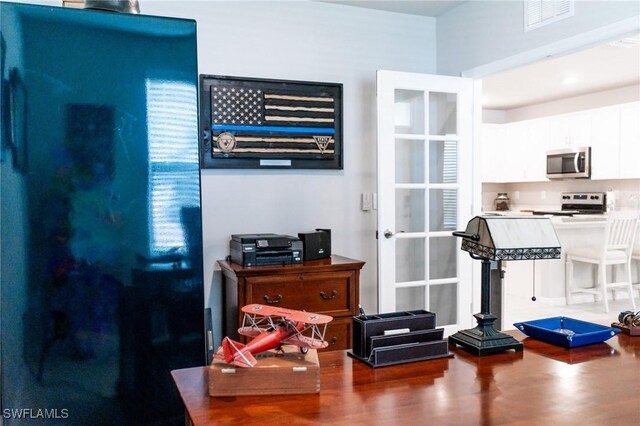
(101, 241)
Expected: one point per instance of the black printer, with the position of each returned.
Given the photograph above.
(265, 249)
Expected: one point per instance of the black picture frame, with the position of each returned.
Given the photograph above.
(270, 124)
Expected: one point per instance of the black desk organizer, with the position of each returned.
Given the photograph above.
(422, 342)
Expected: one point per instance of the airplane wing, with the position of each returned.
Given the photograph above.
(305, 342)
(307, 317)
(250, 331)
(289, 314)
(257, 309)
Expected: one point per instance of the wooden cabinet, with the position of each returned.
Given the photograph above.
(328, 286)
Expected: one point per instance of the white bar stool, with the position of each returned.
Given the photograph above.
(635, 255)
(616, 250)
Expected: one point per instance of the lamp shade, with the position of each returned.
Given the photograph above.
(511, 238)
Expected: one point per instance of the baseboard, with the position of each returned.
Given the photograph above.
(586, 298)
(591, 298)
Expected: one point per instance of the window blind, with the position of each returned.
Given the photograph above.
(172, 128)
(450, 175)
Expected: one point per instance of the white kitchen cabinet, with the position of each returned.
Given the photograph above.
(525, 155)
(491, 140)
(511, 153)
(630, 141)
(605, 143)
(514, 152)
(537, 141)
(569, 131)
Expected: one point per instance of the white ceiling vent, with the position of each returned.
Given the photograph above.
(538, 13)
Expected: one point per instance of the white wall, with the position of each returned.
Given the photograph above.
(312, 42)
(325, 42)
(481, 32)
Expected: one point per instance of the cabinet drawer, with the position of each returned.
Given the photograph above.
(338, 335)
(328, 293)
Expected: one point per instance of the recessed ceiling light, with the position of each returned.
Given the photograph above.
(568, 81)
(485, 100)
(626, 42)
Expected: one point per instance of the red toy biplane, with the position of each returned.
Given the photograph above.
(271, 327)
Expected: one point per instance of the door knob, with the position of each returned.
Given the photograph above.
(388, 233)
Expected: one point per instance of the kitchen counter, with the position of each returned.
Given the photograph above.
(579, 221)
(559, 222)
(572, 231)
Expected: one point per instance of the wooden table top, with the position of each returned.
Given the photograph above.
(597, 384)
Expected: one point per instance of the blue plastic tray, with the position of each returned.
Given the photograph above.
(566, 332)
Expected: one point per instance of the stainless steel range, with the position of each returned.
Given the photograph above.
(576, 203)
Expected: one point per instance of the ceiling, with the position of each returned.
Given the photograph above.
(596, 69)
(592, 70)
(412, 7)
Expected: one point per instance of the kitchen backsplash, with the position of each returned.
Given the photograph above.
(546, 195)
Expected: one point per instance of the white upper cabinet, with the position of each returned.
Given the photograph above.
(605, 143)
(630, 141)
(516, 152)
(537, 141)
(569, 131)
(491, 139)
(511, 153)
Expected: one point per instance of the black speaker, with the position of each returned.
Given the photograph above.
(317, 245)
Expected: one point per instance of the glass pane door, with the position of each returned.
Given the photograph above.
(421, 192)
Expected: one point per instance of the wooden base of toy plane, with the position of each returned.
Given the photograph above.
(276, 373)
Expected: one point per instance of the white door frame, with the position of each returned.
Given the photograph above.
(559, 48)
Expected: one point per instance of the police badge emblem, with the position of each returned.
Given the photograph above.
(322, 142)
(226, 142)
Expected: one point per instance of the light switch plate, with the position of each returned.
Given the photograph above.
(366, 201)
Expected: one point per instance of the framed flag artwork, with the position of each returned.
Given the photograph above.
(256, 123)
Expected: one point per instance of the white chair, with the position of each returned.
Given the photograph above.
(619, 234)
(635, 255)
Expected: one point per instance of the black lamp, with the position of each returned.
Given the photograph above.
(501, 238)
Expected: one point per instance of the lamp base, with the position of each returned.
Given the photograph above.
(484, 339)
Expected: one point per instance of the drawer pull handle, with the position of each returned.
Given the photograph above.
(278, 299)
(325, 296)
(333, 341)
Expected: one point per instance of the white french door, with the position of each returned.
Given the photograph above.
(424, 193)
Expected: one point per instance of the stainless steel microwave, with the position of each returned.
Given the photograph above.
(569, 163)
